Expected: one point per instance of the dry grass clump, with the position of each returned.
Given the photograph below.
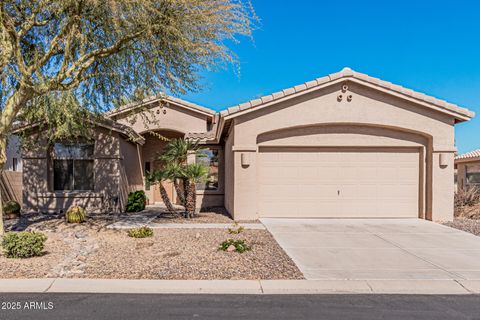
(467, 203)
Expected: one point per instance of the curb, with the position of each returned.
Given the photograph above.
(62, 285)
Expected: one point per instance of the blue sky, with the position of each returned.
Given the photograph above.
(429, 46)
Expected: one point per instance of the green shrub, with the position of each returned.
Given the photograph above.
(76, 214)
(136, 201)
(141, 232)
(23, 244)
(235, 228)
(11, 207)
(240, 245)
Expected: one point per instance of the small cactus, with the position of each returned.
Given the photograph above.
(76, 214)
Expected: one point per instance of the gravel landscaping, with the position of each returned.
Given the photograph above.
(465, 224)
(189, 254)
(90, 250)
(212, 215)
(467, 218)
(209, 215)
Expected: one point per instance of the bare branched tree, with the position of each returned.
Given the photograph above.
(95, 52)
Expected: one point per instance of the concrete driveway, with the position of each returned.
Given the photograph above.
(383, 249)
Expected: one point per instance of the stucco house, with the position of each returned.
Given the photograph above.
(344, 145)
(467, 168)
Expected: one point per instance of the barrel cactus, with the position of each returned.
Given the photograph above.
(76, 214)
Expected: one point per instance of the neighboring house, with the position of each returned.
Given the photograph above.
(467, 166)
(345, 145)
(14, 158)
(11, 179)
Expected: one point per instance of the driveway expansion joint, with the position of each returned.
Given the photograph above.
(453, 275)
(461, 284)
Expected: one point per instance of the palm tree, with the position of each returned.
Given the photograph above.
(176, 152)
(194, 173)
(173, 172)
(157, 177)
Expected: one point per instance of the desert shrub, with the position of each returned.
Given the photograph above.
(136, 201)
(468, 197)
(23, 244)
(11, 207)
(76, 214)
(142, 232)
(240, 245)
(235, 228)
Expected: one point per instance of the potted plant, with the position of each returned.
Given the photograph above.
(12, 209)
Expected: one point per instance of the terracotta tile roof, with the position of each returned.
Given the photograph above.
(348, 73)
(469, 155)
(210, 135)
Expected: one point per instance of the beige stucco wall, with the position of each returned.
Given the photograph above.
(38, 193)
(170, 117)
(131, 154)
(229, 172)
(131, 170)
(320, 119)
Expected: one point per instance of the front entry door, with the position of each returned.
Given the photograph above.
(170, 191)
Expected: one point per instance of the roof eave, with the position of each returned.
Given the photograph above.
(126, 131)
(463, 160)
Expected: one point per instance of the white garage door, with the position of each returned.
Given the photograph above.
(315, 182)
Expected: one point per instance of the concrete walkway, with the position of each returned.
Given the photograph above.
(62, 285)
(378, 249)
(129, 223)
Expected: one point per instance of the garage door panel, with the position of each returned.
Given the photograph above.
(343, 183)
(279, 173)
(397, 191)
(327, 173)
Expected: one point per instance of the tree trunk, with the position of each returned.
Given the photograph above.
(3, 160)
(191, 200)
(13, 105)
(2, 227)
(185, 182)
(166, 199)
(2, 165)
(179, 191)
